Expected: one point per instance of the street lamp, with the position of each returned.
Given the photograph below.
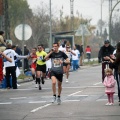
(50, 40)
(101, 18)
(110, 18)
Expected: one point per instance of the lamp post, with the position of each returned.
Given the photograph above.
(101, 18)
(50, 40)
(110, 18)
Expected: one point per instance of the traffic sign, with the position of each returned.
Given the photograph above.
(23, 32)
(82, 30)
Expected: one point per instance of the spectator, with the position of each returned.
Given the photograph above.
(26, 52)
(2, 42)
(10, 67)
(105, 50)
(88, 52)
(19, 52)
(81, 55)
(75, 58)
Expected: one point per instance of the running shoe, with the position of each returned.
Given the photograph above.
(54, 99)
(66, 80)
(58, 101)
(36, 86)
(40, 88)
(107, 103)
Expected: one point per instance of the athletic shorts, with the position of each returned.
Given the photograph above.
(59, 77)
(65, 64)
(33, 65)
(41, 68)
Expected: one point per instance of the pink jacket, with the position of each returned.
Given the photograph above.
(109, 83)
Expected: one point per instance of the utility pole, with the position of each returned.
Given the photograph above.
(110, 19)
(6, 20)
(72, 13)
(50, 40)
(101, 18)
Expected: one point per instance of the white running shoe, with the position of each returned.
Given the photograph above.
(107, 103)
(18, 85)
(66, 80)
(58, 101)
(36, 86)
(111, 104)
(54, 99)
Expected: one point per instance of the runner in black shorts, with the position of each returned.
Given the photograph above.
(41, 65)
(57, 58)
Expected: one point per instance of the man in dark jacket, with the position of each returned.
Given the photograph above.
(105, 50)
(26, 52)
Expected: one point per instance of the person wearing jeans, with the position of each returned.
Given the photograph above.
(75, 59)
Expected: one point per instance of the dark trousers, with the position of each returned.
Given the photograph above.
(104, 67)
(117, 77)
(12, 71)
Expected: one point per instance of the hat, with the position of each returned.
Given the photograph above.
(106, 41)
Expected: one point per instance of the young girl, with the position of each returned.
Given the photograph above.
(109, 83)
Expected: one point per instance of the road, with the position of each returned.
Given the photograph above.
(83, 98)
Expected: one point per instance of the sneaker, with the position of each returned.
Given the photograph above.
(107, 103)
(58, 101)
(43, 80)
(36, 86)
(18, 85)
(66, 80)
(40, 88)
(111, 104)
(54, 99)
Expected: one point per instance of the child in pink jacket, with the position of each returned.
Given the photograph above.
(109, 83)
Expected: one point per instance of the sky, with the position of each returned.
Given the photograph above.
(90, 9)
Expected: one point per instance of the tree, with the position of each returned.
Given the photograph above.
(100, 25)
(19, 12)
(105, 34)
(115, 31)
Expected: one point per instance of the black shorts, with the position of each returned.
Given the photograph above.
(65, 64)
(59, 77)
(41, 68)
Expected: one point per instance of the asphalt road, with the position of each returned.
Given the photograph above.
(83, 98)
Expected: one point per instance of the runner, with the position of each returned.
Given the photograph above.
(41, 65)
(66, 66)
(57, 58)
(33, 58)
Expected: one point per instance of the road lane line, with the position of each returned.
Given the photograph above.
(82, 95)
(6, 103)
(71, 100)
(97, 83)
(18, 98)
(37, 102)
(39, 108)
(101, 99)
(74, 93)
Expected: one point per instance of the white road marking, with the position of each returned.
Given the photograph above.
(82, 95)
(37, 102)
(97, 83)
(74, 93)
(71, 100)
(39, 108)
(18, 98)
(101, 99)
(6, 103)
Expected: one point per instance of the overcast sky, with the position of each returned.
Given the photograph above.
(88, 8)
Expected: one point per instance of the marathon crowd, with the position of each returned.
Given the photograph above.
(57, 62)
